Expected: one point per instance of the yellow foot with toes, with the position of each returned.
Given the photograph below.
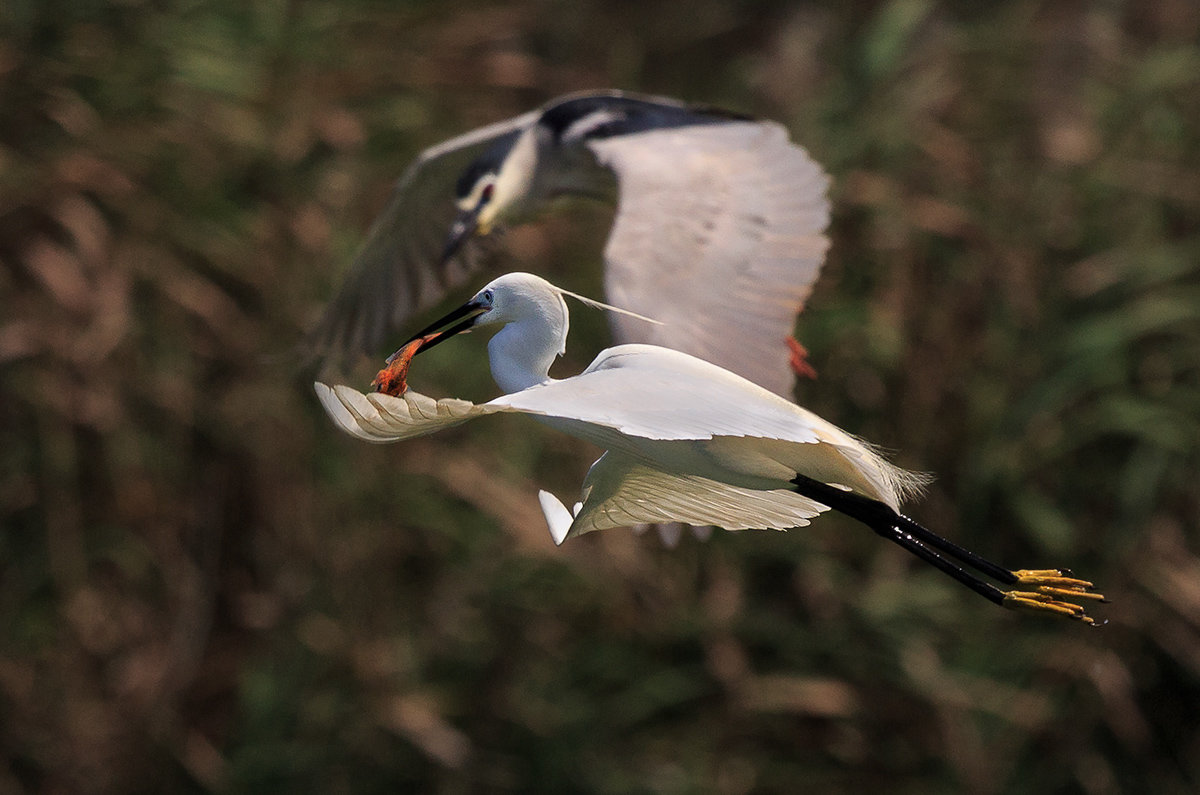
(1057, 582)
(1047, 584)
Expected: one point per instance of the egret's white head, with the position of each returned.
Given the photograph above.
(518, 297)
(534, 320)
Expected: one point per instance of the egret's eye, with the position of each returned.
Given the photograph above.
(488, 295)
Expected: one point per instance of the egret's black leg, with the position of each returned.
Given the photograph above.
(906, 540)
(874, 514)
(899, 530)
(1046, 586)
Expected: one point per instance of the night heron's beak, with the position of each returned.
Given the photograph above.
(461, 230)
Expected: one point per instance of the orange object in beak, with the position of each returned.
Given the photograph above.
(393, 379)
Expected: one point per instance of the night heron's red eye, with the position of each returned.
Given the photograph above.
(488, 189)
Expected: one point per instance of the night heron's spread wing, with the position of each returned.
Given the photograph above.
(622, 491)
(719, 216)
(396, 273)
(719, 234)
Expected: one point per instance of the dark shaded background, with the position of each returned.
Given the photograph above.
(205, 587)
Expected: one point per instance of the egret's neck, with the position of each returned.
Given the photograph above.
(521, 353)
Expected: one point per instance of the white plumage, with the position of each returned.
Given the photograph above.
(685, 440)
(688, 441)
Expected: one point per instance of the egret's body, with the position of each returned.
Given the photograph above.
(685, 440)
(704, 197)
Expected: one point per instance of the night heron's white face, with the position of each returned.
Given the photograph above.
(478, 201)
(499, 192)
(471, 219)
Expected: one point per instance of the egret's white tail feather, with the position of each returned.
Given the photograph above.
(903, 483)
(557, 516)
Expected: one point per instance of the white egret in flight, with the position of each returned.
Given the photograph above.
(685, 441)
(704, 197)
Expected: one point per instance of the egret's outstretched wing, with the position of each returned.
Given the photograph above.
(396, 272)
(645, 392)
(378, 418)
(657, 393)
(719, 234)
(620, 491)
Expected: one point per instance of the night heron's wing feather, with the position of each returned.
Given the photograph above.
(395, 273)
(719, 233)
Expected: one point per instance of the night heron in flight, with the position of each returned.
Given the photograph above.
(685, 441)
(718, 231)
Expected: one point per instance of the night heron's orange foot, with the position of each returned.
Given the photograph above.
(1041, 602)
(798, 359)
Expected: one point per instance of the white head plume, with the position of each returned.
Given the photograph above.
(601, 305)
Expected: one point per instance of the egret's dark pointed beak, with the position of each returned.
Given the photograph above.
(467, 315)
(461, 230)
(393, 378)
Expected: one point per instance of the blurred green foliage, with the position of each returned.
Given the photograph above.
(204, 587)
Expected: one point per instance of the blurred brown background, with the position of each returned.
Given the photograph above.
(204, 587)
